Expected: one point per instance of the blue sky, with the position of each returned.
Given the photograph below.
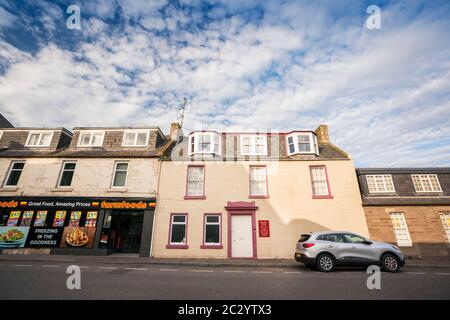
(243, 65)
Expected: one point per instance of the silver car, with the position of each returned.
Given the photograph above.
(327, 250)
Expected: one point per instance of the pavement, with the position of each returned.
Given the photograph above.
(133, 259)
(43, 279)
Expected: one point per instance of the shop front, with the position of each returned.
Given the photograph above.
(66, 225)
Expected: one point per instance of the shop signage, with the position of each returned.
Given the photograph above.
(9, 204)
(264, 228)
(56, 204)
(44, 237)
(124, 205)
(13, 237)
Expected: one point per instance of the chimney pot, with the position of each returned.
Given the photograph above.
(175, 130)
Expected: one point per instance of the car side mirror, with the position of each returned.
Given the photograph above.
(367, 242)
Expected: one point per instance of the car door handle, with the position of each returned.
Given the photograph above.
(353, 247)
(330, 246)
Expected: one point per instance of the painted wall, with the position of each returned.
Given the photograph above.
(93, 177)
(290, 208)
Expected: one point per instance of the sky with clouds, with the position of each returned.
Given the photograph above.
(242, 65)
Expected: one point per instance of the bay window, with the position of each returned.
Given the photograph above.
(302, 143)
(204, 142)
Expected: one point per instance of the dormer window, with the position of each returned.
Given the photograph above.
(302, 143)
(39, 139)
(253, 145)
(204, 143)
(135, 139)
(91, 139)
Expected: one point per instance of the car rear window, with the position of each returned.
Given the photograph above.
(304, 237)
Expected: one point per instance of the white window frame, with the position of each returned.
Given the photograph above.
(115, 171)
(445, 216)
(136, 132)
(384, 176)
(62, 172)
(185, 223)
(214, 224)
(323, 170)
(215, 138)
(10, 169)
(187, 181)
(400, 215)
(253, 138)
(314, 146)
(40, 133)
(266, 183)
(425, 177)
(91, 132)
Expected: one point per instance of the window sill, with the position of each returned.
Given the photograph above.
(116, 190)
(194, 197)
(211, 246)
(62, 189)
(258, 197)
(8, 189)
(323, 197)
(177, 246)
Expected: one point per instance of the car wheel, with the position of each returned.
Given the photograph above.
(325, 263)
(390, 263)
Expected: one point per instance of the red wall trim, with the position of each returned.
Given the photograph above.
(329, 195)
(178, 246)
(202, 197)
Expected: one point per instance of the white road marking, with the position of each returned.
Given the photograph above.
(209, 271)
(50, 266)
(261, 271)
(170, 270)
(108, 268)
(84, 267)
(141, 269)
(292, 272)
(416, 273)
(442, 274)
(233, 271)
(22, 265)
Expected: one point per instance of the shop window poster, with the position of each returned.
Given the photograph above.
(13, 219)
(13, 237)
(91, 219)
(26, 218)
(41, 216)
(60, 216)
(75, 217)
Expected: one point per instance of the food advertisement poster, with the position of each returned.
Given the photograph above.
(13, 237)
(13, 218)
(78, 237)
(91, 219)
(26, 218)
(41, 216)
(75, 217)
(60, 216)
(44, 237)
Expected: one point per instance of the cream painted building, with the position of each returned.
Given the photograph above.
(243, 195)
(101, 180)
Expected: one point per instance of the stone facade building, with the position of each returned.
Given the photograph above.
(409, 207)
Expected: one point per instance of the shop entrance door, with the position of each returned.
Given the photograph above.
(126, 231)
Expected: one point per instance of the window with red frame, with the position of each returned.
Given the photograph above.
(319, 181)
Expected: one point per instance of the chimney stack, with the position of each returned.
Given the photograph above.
(175, 131)
(322, 134)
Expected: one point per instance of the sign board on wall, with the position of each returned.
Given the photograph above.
(264, 228)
